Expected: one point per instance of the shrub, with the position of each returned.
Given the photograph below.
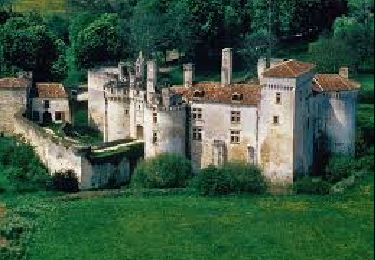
(213, 181)
(163, 171)
(233, 177)
(29, 179)
(65, 181)
(309, 185)
(339, 167)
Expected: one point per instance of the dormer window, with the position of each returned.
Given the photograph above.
(237, 97)
(199, 94)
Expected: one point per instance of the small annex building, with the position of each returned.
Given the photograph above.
(49, 103)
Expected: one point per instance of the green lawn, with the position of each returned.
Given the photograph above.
(183, 227)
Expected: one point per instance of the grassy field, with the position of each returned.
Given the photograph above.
(183, 227)
(43, 6)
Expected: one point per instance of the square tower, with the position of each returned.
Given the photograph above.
(285, 135)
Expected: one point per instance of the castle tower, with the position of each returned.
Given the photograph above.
(117, 119)
(151, 79)
(285, 129)
(188, 74)
(226, 67)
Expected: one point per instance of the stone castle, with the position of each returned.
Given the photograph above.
(276, 121)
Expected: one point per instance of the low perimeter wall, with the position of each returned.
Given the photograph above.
(60, 154)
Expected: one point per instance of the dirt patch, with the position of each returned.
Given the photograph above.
(2, 210)
(3, 242)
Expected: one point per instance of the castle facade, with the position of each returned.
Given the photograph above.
(280, 121)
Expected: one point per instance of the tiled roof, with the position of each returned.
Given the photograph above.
(14, 83)
(50, 90)
(333, 82)
(288, 69)
(214, 92)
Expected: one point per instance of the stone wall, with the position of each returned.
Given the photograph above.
(55, 105)
(216, 128)
(335, 120)
(97, 78)
(62, 154)
(276, 140)
(169, 128)
(12, 100)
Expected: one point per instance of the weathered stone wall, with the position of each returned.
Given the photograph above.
(136, 110)
(117, 122)
(335, 118)
(170, 130)
(60, 155)
(276, 141)
(97, 78)
(216, 127)
(55, 105)
(12, 100)
(303, 126)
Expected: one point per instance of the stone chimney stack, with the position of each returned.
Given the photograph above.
(188, 74)
(226, 67)
(122, 71)
(344, 72)
(151, 78)
(139, 64)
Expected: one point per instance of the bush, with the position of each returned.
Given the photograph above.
(339, 167)
(309, 185)
(65, 181)
(213, 181)
(163, 171)
(233, 177)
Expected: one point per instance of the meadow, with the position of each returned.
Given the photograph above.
(42, 6)
(189, 227)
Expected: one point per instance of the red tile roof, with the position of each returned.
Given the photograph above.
(333, 82)
(14, 83)
(288, 69)
(214, 92)
(50, 90)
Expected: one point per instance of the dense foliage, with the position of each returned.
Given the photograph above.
(20, 169)
(65, 181)
(102, 32)
(163, 171)
(233, 177)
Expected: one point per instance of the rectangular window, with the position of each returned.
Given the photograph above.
(278, 98)
(276, 120)
(155, 118)
(197, 133)
(46, 103)
(235, 137)
(59, 116)
(197, 113)
(235, 117)
(154, 137)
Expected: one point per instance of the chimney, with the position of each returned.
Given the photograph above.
(188, 75)
(139, 64)
(25, 75)
(122, 71)
(151, 77)
(344, 72)
(226, 67)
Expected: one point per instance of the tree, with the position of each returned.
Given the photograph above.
(255, 46)
(27, 44)
(356, 35)
(330, 54)
(99, 42)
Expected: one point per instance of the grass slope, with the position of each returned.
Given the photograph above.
(182, 227)
(42, 6)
